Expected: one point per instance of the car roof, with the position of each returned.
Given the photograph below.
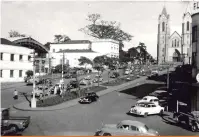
(160, 91)
(151, 97)
(131, 122)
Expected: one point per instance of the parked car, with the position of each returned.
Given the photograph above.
(85, 82)
(73, 84)
(12, 124)
(150, 99)
(160, 94)
(30, 81)
(191, 119)
(126, 127)
(40, 91)
(146, 108)
(115, 75)
(88, 77)
(95, 80)
(89, 98)
(155, 72)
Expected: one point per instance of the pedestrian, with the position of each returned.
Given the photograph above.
(15, 95)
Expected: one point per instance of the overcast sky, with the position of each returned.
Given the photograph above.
(43, 19)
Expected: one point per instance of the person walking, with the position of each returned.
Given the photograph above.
(15, 95)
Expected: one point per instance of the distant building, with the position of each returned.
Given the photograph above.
(74, 49)
(175, 47)
(15, 60)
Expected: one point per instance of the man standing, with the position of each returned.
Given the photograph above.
(15, 95)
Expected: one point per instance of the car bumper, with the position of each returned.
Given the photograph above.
(83, 101)
(135, 113)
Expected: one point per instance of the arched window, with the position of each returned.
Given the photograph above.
(175, 42)
(187, 25)
(178, 44)
(163, 26)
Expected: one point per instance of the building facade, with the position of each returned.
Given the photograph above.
(175, 47)
(15, 61)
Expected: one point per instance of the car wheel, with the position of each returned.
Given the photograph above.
(14, 128)
(145, 114)
(161, 112)
(193, 128)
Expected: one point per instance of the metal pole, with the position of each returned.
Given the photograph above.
(177, 107)
(63, 67)
(33, 101)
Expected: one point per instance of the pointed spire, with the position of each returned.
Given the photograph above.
(188, 9)
(164, 11)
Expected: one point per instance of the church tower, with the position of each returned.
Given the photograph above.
(186, 37)
(163, 36)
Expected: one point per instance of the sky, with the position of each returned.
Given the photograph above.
(43, 19)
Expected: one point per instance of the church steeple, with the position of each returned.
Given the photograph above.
(164, 11)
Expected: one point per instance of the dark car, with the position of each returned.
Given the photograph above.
(89, 98)
(72, 84)
(115, 75)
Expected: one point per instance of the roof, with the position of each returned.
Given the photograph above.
(8, 42)
(130, 122)
(74, 42)
(76, 51)
(174, 33)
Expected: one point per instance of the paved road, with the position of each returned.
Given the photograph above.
(7, 92)
(110, 109)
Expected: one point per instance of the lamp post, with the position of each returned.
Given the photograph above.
(33, 100)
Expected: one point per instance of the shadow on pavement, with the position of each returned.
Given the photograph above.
(142, 90)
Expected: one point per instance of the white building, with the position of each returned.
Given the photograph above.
(74, 49)
(15, 60)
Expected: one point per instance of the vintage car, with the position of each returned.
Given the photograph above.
(191, 119)
(10, 125)
(89, 98)
(88, 77)
(146, 108)
(95, 80)
(126, 128)
(155, 72)
(151, 99)
(72, 84)
(85, 82)
(30, 81)
(115, 75)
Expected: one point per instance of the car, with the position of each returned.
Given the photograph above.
(88, 77)
(95, 80)
(68, 75)
(154, 72)
(89, 98)
(127, 72)
(115, 75)
(126, 127)
(73, 84)
(12, 124)
(146, 108)
(151, 99)
(30, 81)
(40, 91)
(191, 119)
(160, 94)
(85, 82)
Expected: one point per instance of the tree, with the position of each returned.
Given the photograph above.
(121, 45)
(14, 33)
(61, 38)
(84, 61)
(58, 68)
(102, 29)
(29, 73)
(99, 68)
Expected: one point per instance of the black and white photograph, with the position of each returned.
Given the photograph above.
(99, 68)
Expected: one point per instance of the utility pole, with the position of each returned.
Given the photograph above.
(33, 100)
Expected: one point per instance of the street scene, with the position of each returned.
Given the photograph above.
(109, 75)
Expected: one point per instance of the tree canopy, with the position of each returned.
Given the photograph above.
(102, 29)
(61, 38)
(84, 61)
(14, 33)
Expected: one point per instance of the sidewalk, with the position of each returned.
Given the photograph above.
(24, 106)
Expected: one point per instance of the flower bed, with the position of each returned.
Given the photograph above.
(56, 99)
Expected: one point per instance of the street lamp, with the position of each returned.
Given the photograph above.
(33, 100)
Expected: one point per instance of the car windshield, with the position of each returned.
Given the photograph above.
(144, 99)
(141, 105)
(146, 128)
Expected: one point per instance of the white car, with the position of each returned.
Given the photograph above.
(151, 99)
(146, 108)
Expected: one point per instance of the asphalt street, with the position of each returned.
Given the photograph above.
(7, 92)
(110, 109)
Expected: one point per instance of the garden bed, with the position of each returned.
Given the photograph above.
(56, 99)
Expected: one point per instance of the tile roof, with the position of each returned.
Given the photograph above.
(8, 42)
(74, 42)
(76, 51)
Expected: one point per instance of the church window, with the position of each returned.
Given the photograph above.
(163, 26)
(187, 25)
(175, 42)
(178, 44)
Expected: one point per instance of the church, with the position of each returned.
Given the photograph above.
(173, 47)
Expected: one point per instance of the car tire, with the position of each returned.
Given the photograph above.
(14, 128)
(161, 112)
(145, 114)
(193, 127)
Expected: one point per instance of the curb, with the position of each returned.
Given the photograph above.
(74, 102)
